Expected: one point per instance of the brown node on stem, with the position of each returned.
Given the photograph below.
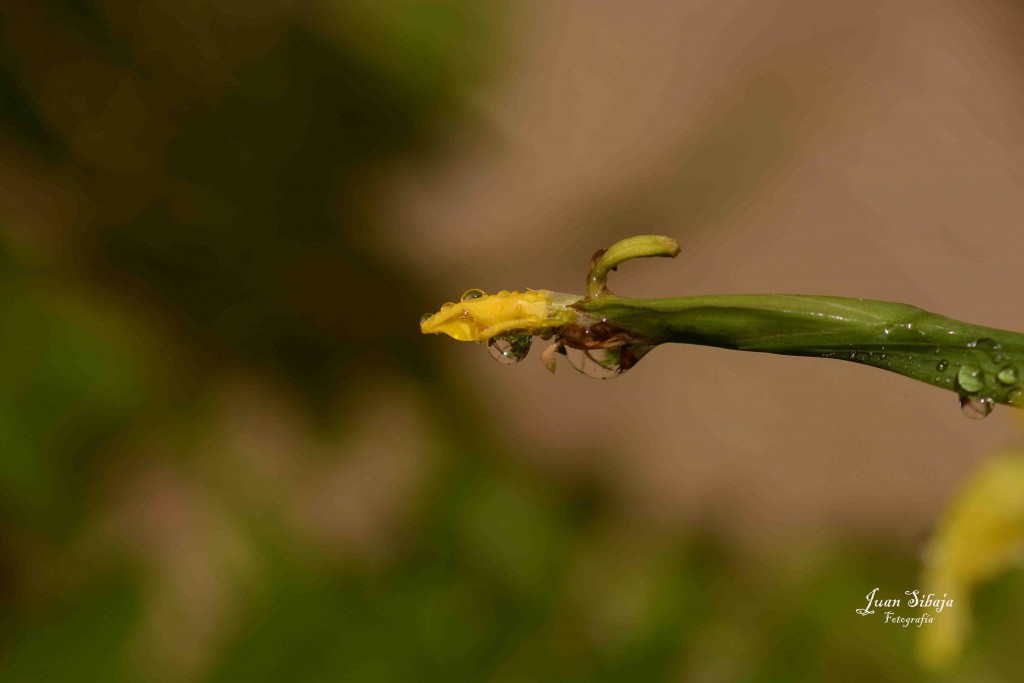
(597, 336)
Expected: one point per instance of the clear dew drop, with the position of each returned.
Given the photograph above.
(509, 350)
(985, 343)
(472, 294)
(425, 317)
(942, 365)
(970, 379)
(606, 363)
(596, 363)
(1015, 397)
(1008, 376)
(976, 407)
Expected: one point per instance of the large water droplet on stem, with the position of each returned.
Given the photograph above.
(511, 349)
(606, 363)
(976, 407)
(970, 379)
(1008, 376)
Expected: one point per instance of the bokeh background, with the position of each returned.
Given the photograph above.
(226, 454)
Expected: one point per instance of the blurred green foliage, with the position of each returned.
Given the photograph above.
(198, 323)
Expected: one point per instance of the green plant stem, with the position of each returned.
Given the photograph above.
(970, 359)
(983, 365)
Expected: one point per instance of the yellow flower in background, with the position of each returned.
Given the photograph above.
(981, 536)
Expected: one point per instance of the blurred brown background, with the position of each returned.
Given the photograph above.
(227, 453)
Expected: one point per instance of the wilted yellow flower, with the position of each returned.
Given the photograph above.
(981, 536)
(480, 317)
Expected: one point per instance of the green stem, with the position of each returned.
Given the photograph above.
(977, 362)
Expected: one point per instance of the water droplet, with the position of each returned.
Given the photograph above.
(1008, 375)
(942, 365)
(606, 363)
(425, 317)
(976, 407)
(970, 379)
(472, 294)
(1015, 397)
(511, 349)
(984, 343)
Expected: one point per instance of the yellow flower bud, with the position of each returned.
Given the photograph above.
(479, 317)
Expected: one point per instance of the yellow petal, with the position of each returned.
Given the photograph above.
(484, 317)
(981, 536)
